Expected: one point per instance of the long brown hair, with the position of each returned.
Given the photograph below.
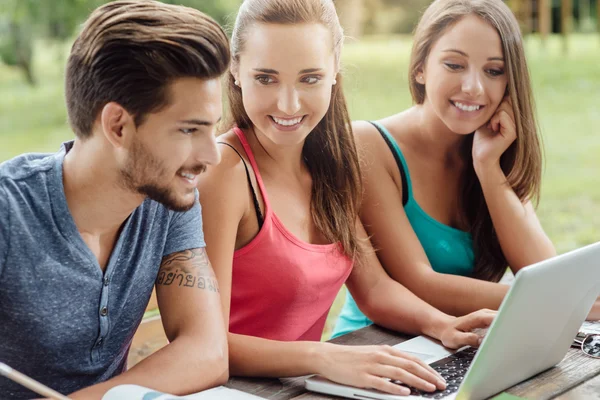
(522, 161)
(329, 150)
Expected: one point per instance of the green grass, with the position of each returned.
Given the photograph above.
(567, 92)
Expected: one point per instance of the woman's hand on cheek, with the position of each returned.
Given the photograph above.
(492, 139)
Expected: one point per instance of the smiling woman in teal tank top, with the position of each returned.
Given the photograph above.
(450, 184)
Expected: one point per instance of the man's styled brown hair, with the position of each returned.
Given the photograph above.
(130, 51)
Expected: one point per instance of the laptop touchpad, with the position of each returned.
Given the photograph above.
(424, 348)
(421, 356)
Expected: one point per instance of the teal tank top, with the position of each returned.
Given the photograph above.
(449, 250)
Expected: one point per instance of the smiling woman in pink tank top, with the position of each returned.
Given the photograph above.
(280, 213)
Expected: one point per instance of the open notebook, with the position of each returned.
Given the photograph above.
(134, 392)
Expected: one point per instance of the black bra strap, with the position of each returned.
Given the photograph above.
(398, 162)
(259, 215)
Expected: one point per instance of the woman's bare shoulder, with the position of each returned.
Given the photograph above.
(368, 137)
(228, 177)
(401, 125)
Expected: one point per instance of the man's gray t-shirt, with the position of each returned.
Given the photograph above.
(63, 321)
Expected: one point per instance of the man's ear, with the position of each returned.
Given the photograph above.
(117, 125)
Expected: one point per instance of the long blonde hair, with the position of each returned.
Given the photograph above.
(522, 161)
(329, 150)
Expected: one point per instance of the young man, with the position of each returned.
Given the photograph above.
(83, 232)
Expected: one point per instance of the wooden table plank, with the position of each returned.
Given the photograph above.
(570, 372)
(587, 390)
(563, 380)
(574, 369)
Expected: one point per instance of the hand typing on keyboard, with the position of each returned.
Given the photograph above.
(452, 368)
(467, 330)
(377, 367)
(481, 332)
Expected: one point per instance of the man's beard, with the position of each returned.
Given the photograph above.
(143, 170)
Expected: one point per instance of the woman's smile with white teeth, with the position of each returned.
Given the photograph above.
(465, 107)
(287, 122)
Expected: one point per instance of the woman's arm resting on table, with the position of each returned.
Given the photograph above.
(398, 247)
(390, 304)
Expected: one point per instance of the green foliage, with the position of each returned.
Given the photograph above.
(16, 43)
(8, 53)
(53, 19)
(222, 10)
(59, 19)
(21, 21)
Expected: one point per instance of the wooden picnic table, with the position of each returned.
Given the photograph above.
(576, 377)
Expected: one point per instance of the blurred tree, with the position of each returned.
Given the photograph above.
(523, 11)
(352, 14)
(23, 21)
(393, 16)
(223, 11)
(16, 37)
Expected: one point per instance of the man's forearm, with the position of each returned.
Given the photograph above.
(182, 367)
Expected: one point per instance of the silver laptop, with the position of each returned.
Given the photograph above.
(532, 332)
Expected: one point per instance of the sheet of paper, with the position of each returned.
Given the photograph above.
(134, 392)
(590, 327)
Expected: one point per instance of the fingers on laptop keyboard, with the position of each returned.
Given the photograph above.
(416, 360)
(479, 319)
(410, 370)
(467, 339)
(409, 378)
(386, 386)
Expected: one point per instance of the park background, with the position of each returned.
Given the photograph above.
(562, 42)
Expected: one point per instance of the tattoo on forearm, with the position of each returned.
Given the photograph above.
(189, 268)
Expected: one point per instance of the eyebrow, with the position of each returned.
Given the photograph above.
(275, 72)
(462, 53)
(200, 122)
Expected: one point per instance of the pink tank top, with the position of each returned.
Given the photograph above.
(282, 287)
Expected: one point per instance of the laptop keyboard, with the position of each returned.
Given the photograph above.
(453, 369)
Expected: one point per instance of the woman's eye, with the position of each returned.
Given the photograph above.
(188, 131)
(264, 79)
(311, 80)
(453, 67)
(495, 72)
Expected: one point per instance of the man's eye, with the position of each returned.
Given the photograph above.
(188, 131)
